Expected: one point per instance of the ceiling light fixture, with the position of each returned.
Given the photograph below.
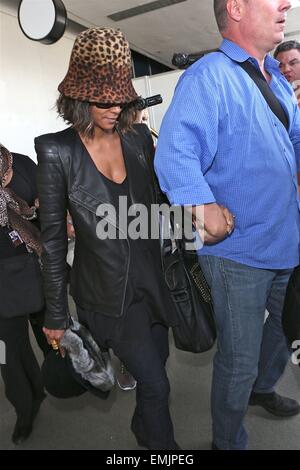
(140, 10)
(43, 21)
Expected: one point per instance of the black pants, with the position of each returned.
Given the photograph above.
(144, 349)
(21, 373)
(37, 323)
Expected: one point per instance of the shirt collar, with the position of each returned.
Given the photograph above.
(238, 54)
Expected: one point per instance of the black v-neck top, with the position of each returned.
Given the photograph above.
(146, 297)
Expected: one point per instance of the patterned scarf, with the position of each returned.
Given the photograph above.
(14, 211)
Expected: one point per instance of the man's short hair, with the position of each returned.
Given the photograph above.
(220, 13)
(286, 46)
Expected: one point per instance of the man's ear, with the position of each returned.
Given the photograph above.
(235, 9)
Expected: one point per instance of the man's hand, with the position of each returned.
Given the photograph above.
(214, 224)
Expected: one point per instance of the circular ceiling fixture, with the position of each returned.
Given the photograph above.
(43, 20)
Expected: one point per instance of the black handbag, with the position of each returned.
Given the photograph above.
(291, 308)
(195, 330)
(21, 286)
(85, 366)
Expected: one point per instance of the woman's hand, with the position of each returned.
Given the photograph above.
(53, 338)
(70, 227)
(230, 219)
(213, 222)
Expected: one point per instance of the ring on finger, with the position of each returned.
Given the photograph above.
(54, 344)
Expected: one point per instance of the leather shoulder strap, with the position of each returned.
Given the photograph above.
(266, 91)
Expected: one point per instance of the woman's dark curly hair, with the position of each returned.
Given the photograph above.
(77, 113)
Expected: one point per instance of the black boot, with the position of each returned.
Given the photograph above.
(21, 432)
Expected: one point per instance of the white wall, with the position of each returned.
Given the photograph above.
(30, 73)
(161, 84)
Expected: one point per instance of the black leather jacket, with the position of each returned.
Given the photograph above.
(67, 180)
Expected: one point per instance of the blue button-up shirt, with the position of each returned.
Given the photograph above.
(220, 142)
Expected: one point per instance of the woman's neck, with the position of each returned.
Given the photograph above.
(100, 136)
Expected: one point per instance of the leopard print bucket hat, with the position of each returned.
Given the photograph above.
(100, 68)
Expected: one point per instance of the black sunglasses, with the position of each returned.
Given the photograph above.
(109, 105)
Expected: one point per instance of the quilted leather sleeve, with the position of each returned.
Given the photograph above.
(149, 150)
(52, 190)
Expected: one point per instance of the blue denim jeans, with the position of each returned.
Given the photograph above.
(251, 354)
